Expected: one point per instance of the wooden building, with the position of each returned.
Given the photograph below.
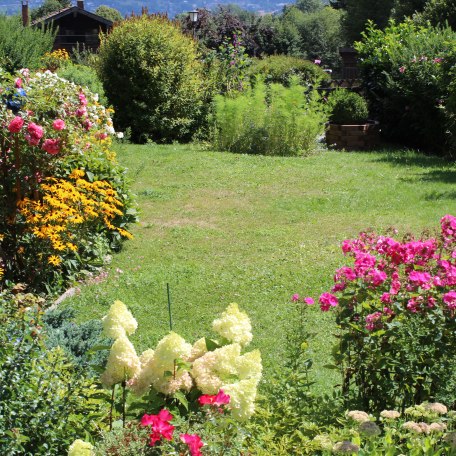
(76, 26)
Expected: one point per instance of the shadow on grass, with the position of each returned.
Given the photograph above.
(437, 196)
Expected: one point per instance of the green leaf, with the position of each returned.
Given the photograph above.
(211, 345)
(181, 398)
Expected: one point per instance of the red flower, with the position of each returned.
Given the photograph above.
(194, 443)
(160, 426)
(218, 399)
(328, 300)
(16, 124)
(51, 146)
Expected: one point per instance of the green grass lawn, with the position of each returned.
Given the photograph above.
(223, 228)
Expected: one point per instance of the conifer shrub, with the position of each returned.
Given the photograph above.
(269, 120)
(153, 79)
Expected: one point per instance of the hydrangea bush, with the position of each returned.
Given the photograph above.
(177, 367)
(395, 308)
(64, 197)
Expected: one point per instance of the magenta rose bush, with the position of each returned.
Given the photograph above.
(395, 308)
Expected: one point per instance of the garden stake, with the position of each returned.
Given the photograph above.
(169, 308)
(124, 400)
(112, 406)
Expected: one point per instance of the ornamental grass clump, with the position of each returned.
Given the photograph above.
(395, 307)
(65, 200)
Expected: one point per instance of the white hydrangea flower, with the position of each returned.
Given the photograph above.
(119, 321)
(234, 325)
(214, 368)
(249, 365)
(169, 349)
(80, 448)
(199, 349)
(242, 398)
(123, 362)
(141, 382)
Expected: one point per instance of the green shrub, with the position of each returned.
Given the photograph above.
(45, 402)
(440, 12)
(402, 70)
(280, 68)
(85, 76)
(347, 107)
(153, 78)
(273, 120)
(22, 47)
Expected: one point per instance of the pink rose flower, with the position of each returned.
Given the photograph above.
(217, 399)
(51, 146)
(309, 301)
(295, 298)
(58, 125)
(18, 83)
(450, 299)
(16, 124)
(35, 130)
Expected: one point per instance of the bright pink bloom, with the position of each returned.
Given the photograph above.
(437, 60)
(328, 300)
(217, 399)
(102, 135)
(160, 426)
(414, 304)
(386, 298)
(87, 124)
(58, 124)
(420, 279)
(35, 130)
(81, 112)
(295, 298)
(402, 69)
(194, 443)
(16, 124)
(18, 83)
(317, 61)
(450, 299)
(82, 99)
(309, 301)
(51, 146)
(376, 277)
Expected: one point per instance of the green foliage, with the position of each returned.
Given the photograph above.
(269, 120)
(359, 12)
(280, 68)
(402, 69)
(48, 6)
(84, 76)
(347, 107)
(45, 403)
(153, 78)
(22, 47)
(109, 13)
(440, 12)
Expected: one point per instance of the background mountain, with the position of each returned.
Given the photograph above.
(172, 7)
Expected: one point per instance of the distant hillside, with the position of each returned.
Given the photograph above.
(172, 7)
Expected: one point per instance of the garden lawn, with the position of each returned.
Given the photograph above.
(223, 228)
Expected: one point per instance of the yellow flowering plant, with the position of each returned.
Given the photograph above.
(66, 201)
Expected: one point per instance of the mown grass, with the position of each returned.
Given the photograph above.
(223, 228)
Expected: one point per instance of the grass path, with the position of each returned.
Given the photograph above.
(254, 230)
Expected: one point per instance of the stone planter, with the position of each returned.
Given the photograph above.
(353, 137)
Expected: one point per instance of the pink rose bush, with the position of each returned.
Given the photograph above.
(395, 307)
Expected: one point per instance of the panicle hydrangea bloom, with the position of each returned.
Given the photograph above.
(212, 369)
(199, 349)
(413, 426)
(141, 382)
(169, 349)
(249, 365)
(323, 441)
(234, 325)
(123, 362)
(119, 321)
(437, 427)
(80, 448)
(242, 398)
